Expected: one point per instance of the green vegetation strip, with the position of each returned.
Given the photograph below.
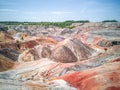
(47, 24)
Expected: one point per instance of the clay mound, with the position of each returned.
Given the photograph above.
(36, 53)
(64, 55)
(5, 63)
(74, 50)
(105, 77)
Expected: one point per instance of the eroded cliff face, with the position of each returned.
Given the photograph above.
(86, 57)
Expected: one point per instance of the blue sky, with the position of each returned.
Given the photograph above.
(59, 10)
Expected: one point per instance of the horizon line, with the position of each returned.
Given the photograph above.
(61, 21)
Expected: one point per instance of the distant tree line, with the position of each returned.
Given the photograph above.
(110, 21)
(47, 24)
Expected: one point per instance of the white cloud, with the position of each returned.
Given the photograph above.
(61, 12)
(8, 10)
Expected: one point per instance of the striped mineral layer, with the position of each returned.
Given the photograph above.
(86, 57)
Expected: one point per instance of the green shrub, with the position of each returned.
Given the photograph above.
(110, 21)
